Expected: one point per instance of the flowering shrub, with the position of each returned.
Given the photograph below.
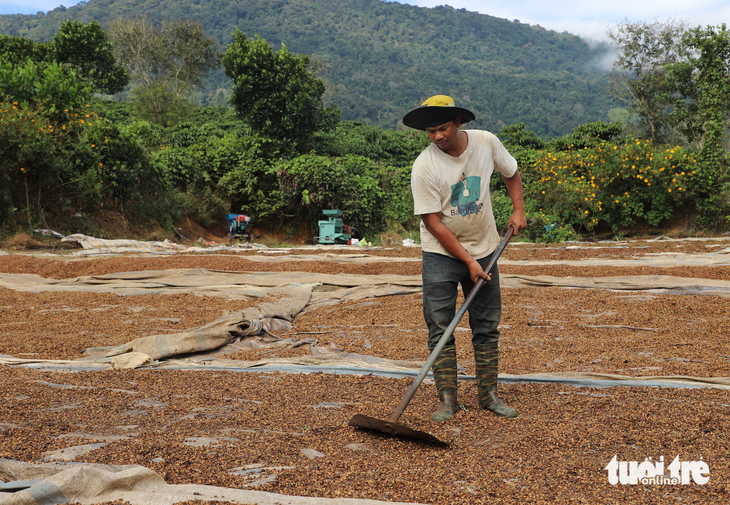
(611, 184)
(68, 160)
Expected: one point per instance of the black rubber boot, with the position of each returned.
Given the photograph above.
(444, 373)
(487, 365)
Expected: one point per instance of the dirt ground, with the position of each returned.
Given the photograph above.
(288, 433)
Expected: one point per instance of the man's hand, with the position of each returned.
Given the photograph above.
(518, 221)
(447, 239)
(476, 272)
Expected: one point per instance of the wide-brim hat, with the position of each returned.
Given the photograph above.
(435, 111)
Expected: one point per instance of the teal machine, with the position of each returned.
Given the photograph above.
(333, 230)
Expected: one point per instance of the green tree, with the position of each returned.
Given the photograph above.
(700, 89)
(18, 50)
(165, 61)
(277, 92)
(519, 135)
(83, 48)
(47, 85)
(87, 49)
(638, 77)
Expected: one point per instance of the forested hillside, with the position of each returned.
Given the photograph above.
(381, 59)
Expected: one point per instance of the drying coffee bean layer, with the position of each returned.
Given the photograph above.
(288, 433)
(543, 329)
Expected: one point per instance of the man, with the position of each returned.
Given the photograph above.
(450, 185)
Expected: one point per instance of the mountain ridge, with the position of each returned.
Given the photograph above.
(383, 58)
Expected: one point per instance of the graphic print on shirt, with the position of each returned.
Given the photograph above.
(465, 196)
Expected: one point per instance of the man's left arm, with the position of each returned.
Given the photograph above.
(514, 186)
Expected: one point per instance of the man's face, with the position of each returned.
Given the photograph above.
(444, 135)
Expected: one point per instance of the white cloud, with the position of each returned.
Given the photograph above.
(20, 7)
(592, 19)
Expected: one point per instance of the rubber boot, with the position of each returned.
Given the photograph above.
(487, 364)
(444, 373)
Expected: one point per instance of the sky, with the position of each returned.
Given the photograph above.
(579, 17)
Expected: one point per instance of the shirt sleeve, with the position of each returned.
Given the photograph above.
(426, 193)
(504, 162)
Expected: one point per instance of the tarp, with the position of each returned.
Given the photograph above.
(646, 260)
(207, 282)
(53, 483)
(220, 332)
(241, 285)
(371, 364)
(652, 284)
(93, 245)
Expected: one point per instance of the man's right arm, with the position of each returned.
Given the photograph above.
(448, 240)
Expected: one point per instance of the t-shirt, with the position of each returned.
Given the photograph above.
(458, 187)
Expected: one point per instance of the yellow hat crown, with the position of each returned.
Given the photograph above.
(439, 101)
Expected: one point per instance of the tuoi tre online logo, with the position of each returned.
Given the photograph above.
(652, 472)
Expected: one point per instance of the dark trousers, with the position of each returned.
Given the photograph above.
(441, 277)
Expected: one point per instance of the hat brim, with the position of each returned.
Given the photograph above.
(425, 117)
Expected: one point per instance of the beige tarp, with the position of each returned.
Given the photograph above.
(206, 282)
(352, 363)
(136, 359)
(591, 378)
(223, 330)
(653, 284)
(95, 483)
(646, 260)
(94, 246)
(243, 285)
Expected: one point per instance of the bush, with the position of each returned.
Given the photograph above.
(44, 84)
(612, 184)
(69, 162)
(309, 184)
